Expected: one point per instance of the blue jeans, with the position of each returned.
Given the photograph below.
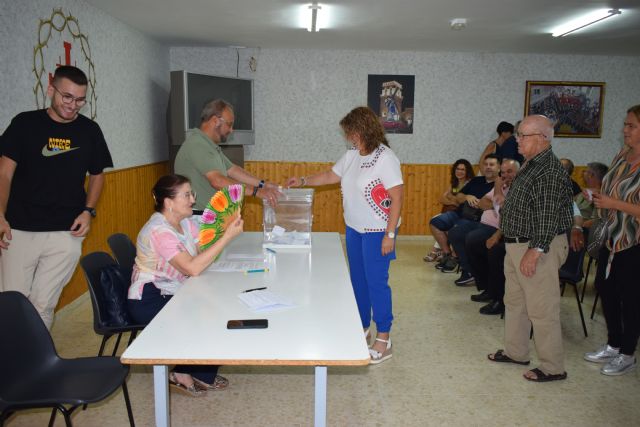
(369, 272)
(144, 310)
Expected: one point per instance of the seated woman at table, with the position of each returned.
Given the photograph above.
(167, 254)
(371, 181)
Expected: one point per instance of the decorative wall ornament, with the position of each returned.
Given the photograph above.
(574, 107)
(57, 29)
(391, 97)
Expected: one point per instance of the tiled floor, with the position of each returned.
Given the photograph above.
(439, 374)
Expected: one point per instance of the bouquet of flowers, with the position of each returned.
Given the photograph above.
(223, 208)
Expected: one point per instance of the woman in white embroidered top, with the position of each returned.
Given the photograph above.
(167, 254)
(371, 182)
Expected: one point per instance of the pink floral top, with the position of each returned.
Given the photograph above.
(158, 242)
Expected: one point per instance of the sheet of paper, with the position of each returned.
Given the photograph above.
(264, 300)
(244, 257)
(231, 266)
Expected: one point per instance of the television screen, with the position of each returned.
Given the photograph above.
(191, 91)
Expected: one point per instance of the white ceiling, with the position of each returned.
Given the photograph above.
(415, 25)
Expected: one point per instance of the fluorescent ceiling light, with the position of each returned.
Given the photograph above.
(584, 21)
(314, 22)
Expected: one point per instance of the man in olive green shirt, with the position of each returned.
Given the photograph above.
(201, 159)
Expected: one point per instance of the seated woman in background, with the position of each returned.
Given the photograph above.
(461, 173)
(167, 254)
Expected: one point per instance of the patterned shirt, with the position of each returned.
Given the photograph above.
(539, 203)
(622, 182)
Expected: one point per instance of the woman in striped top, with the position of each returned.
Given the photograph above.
(616, 278)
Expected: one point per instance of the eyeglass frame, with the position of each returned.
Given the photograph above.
(226, 122)
(188, 194)
(68, 98)
(520, 135)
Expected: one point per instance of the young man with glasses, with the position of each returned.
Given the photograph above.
(44, 210)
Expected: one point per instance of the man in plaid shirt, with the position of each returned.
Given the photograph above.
(535, 218)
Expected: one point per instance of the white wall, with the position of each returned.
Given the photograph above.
(132, 76)
(300, 95)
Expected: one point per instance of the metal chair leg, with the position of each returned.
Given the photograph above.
(584, 326)
(595, 303)
(104, 342)
(52, 419)
(115, 347)
(586, 277)
(125, 392)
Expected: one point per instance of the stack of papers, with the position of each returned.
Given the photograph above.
(230, 266)
(264, 300)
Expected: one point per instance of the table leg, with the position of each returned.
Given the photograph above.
(321, 397)
(161, 393)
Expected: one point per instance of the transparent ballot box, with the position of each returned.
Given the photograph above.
(288, 225)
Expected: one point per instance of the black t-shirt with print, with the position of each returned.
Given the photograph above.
(47, 190)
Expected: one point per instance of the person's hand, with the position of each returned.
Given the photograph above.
(472, 200)
(387, 245)
(498, 199)
(529, 261)
(269, 194)
(576, 239)
(235, 228)
(294, 181)
(81, 225)
(5, 231)
(492, 241)
(602, 201)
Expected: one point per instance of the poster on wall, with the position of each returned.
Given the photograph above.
(391, 97)
(575, 107)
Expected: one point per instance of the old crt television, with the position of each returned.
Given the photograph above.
(189, 93)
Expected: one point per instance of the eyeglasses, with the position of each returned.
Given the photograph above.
(188, 194)
(68, 99)
(226, 122)
(524, 135)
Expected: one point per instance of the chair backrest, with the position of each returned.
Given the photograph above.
(92, 265)
(124, 251)
(571, 270)
(27, 347)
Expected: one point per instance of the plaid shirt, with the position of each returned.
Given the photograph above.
(539, 203)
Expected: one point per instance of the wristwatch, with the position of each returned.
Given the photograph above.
(391, 235)
(91, 211)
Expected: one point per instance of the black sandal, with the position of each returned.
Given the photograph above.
(541, 377)
(499, 356)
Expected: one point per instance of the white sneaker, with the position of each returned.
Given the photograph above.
(603, 354)
(619, 365)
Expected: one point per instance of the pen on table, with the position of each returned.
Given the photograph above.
(254, 289)
(271, 250)
(257, 270)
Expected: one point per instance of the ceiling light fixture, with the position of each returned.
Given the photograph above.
(458, 24)
(584, 21)
(315, 26)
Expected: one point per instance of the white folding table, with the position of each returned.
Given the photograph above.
(322, 329)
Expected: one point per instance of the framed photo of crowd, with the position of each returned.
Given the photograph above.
(575, 107)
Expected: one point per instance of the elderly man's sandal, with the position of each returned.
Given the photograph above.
(541, 377)
(499, 356)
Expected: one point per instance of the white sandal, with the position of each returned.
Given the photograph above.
(376, 356)
(367, 336)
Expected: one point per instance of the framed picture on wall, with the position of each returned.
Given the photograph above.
(575, 107)
(391, 97)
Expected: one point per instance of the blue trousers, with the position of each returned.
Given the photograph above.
(457, 237)
(369, 272)
(144, 310)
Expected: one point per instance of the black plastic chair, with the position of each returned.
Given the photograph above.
(123, 249)
(92, 265)
(571, 273)
(34, 376)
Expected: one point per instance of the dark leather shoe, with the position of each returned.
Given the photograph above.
(494, 307)
(481, 297)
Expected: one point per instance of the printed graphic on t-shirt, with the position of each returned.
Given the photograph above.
(57, 146)
(374, 159)
(378, 198)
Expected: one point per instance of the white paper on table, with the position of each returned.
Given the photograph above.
(246, 257)
(264, 300)
(232, 266)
